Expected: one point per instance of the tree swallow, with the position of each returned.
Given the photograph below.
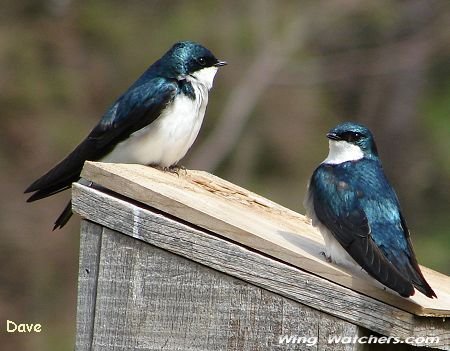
(154, 122)
(358, 214)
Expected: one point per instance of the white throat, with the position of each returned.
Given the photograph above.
(342, 151)
(204, 77)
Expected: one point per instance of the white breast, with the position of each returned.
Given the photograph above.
(339, 152)
(165, 141)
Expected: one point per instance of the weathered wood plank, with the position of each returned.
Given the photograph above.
(151, 299)
(235, 260)
(228, 210)
(90, 241)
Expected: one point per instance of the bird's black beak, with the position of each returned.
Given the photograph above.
(333, 136)
(220, 63)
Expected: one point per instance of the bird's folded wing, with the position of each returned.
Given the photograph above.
(337, 206)
(135, 109)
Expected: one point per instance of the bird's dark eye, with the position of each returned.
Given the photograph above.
(356, 136)
(202, 61)
(352, 137)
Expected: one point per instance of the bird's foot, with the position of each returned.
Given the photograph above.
(175, 169)
(327, 258)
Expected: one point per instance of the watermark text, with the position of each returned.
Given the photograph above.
(15, 327)
(371, 339)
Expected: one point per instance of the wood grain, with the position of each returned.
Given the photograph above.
(87, 283)
(235, 260)
(237, 214)
(150, 299)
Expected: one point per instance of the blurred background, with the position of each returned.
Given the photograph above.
(296, 69)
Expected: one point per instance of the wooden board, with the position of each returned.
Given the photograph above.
(151, 299)
(251, 220)
(201, 246)
(90, 242)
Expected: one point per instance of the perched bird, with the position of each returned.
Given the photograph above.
(357, 212)
(154, 122)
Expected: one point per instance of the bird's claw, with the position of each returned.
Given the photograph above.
(327, 258)
(174, 169)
